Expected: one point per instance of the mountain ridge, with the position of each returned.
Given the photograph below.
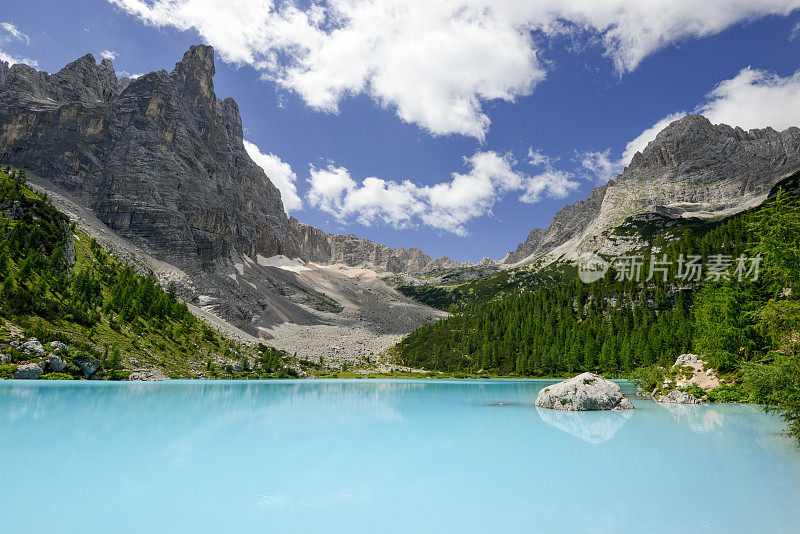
(160, 161)
(91, 85)
(691, 169)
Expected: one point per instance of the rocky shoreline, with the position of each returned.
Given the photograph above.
(688, 381)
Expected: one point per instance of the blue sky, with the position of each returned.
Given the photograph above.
(416, 123)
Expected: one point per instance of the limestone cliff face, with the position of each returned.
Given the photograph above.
(159, 159)
(318, 246)
(691, 169)
(156, 168)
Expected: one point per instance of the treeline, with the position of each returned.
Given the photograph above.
(560, 330)
(613, 326)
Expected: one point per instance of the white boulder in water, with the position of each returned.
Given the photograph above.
(584, 392)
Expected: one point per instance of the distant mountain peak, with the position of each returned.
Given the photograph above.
(693, 168)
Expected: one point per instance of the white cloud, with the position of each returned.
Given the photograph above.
(435, 63)
(537, 158)
(751, 99)
(755, 99)
(553, 183)
(279, 173)
(600, 165)
(131, 75)
(14, 32)
(9, 32)
(108, 54)
(448, 205)
(795, 33)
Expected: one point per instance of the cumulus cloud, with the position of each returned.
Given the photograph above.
(108, 54)
(280, 174)
(435, 63)
(751, 99)
(447, 205)
(755, 99)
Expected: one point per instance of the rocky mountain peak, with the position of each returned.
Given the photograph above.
(693, 168)
(161, 163)
(692, 137)
(85, 81)
(195, 73)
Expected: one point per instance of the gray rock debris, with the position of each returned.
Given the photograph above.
(586, 391)
(688, 359)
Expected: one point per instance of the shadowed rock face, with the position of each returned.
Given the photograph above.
(161, 162)
(4, 68)
(691, 168)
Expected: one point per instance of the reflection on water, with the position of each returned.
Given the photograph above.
(591, 427)
(700, 418)
(382, 456)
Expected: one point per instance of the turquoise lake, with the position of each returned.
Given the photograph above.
(381, 456)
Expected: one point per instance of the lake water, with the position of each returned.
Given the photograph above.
(381, 457)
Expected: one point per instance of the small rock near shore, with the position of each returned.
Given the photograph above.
(147, 375)
(56, 363)
(679, 397)
(33, 346)
(89, 366)
(584, 392)
(28, 371)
